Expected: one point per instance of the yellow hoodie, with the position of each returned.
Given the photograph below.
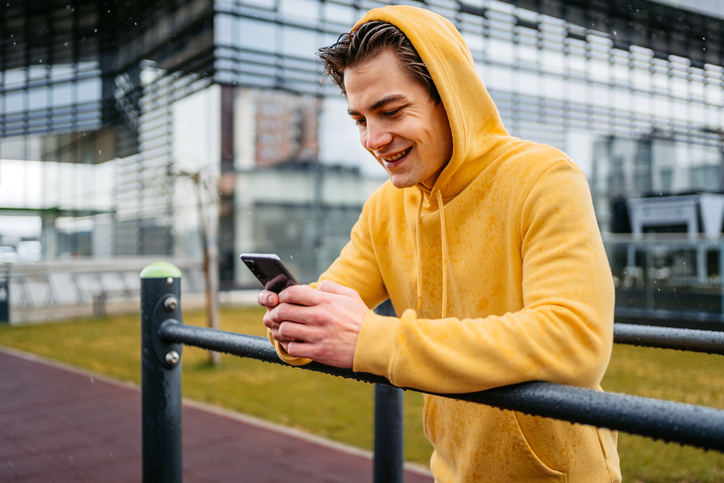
(510, 277)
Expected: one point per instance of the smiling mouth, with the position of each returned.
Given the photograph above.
(398, 156)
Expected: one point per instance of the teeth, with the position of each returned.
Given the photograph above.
(397, 156)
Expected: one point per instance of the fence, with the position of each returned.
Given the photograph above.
(163, 334)
(61, 289)
(668, 276)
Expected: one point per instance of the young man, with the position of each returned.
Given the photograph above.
(487, 246)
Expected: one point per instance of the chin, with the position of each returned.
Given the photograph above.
(401, 183)
(401, 180)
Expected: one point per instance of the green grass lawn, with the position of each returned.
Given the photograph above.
(342, 409)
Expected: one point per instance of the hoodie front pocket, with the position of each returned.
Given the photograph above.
(530, 455)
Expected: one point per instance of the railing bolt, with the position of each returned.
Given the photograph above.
(169, 280)
(172, 358)
(170, 304)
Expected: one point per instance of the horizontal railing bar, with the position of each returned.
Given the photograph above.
(698, 426)
(250, 346)
(709, 341)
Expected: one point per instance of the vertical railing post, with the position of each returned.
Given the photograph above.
(160, 375)
(721, 276)
(388, 451)
(389, 457)
(4, 293)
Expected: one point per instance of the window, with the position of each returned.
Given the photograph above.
(298, 42)
(499, 78)
(577, 92)
(474, 41)
(257, 35)
(621, 100)
(660, 107)
(89, 90)
(223, 30)
(267, 4)
(36, 72)
(552, 87)
(14, 102)
(705, 177)
(38, 98)
(301, 9)
(60, 72)
(528, 83)
(338, 13)
(14, 77)
(500, 50)
(62, 95)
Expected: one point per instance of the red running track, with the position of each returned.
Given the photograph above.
(59, 425)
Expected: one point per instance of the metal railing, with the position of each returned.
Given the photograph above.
(163, 334)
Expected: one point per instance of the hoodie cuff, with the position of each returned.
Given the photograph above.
(375, 349)
(284, 355)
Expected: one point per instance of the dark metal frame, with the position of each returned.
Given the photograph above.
(163, 333)
(160, 381)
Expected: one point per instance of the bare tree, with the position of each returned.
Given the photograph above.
(205, 188)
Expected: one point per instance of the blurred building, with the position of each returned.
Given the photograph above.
(109, 109)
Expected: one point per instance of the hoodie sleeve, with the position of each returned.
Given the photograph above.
(563, 333)
(355, 268)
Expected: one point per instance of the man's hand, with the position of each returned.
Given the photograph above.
(270, 300)
(321, 324)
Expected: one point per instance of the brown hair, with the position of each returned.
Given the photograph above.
(368, 40)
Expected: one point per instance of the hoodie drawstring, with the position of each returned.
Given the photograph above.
(443, 256)
(418, 257)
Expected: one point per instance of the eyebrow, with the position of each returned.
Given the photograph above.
(379, 104)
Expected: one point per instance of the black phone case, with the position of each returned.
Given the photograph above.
(269, 270)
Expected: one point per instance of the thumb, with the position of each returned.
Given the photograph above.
(267, 299)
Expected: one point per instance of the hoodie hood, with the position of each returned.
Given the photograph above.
(477, 130)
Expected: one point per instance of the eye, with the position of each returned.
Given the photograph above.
(360, 121)
(393, 112)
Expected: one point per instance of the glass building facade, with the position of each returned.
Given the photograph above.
(112, 111)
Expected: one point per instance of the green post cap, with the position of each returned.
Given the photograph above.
(161, 270)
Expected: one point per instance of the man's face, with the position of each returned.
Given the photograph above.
(406, 132)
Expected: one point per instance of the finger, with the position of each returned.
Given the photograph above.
(303, 349)
(280, 338)
(299, 295)
(267, 299)
(273, 327)
(270, 322)
(282, 312)
(296, 315)
(298, 344)
(312, 315)
(329, 286)
(291, 331)
(296, 349)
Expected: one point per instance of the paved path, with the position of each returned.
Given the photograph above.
(59, 425)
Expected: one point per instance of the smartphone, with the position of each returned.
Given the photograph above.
(269, 270)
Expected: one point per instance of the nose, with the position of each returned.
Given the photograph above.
(376, 136)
